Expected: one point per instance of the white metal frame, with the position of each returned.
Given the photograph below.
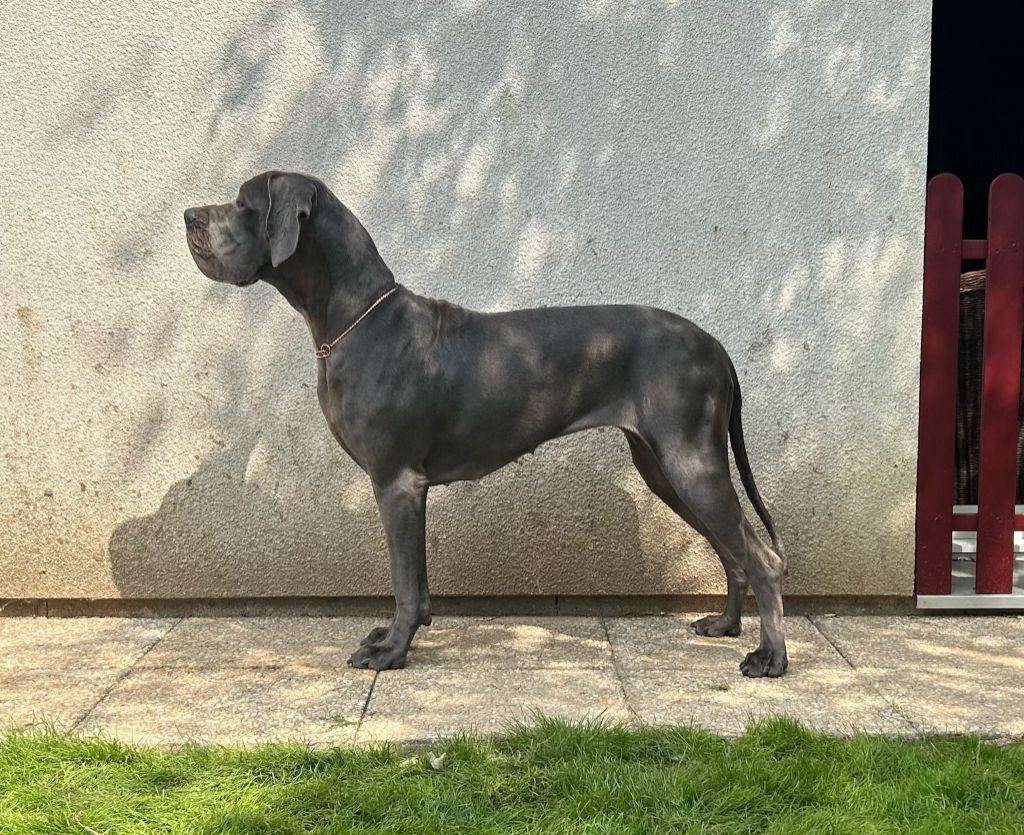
(963, 596)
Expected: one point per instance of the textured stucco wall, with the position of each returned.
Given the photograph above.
(756, 166)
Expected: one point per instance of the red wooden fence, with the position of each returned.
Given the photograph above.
(944, 250)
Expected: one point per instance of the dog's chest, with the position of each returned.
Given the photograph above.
(330, 397)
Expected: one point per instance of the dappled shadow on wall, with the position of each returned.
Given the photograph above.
(495, 166)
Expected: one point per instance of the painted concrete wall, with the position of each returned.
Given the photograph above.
(756, 166)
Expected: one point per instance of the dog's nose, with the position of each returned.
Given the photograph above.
(191, 217)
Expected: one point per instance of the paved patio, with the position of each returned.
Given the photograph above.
(246, 680)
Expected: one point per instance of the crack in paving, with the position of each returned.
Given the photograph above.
(831, 643)
(617, 670)
(876, 690)
(917, 729)
(366, 707)
(124, 674)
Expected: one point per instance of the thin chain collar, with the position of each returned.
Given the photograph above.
(324, 350)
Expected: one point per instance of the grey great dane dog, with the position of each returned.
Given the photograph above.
(421, 392)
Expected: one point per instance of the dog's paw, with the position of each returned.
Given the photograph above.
(377, 634)
(763, 662)
(717, 626)
(378, 657)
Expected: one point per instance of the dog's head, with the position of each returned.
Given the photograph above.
(233, 242)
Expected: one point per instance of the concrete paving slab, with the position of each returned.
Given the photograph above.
(76, 643)
(248, 680)
(315, 643)
(835, 701)
(511, 643)
(992, 643)
(423, 704)
(975, 700)
(174, 705)
(651, 644)
(56, 697)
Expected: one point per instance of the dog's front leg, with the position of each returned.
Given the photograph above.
(402, 502)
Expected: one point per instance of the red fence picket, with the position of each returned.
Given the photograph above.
(944, 251)
(1000, 385)
(940, 322)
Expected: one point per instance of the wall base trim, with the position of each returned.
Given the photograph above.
(611, 605)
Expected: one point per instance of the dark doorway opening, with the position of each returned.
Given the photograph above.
(976, 131)
(976, 119)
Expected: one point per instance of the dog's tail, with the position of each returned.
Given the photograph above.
(739, 453)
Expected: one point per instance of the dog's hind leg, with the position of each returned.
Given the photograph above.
(713, 626)
(699, 476)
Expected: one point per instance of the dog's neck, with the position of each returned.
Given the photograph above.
(336, 272)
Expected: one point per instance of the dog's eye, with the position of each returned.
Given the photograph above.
(240, 205)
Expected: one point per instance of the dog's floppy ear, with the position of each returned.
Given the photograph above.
(289, 201)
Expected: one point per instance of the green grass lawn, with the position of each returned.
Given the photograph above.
(549, 777)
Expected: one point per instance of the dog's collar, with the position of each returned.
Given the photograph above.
(324, 350)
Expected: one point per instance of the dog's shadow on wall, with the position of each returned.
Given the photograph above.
(227, 530)
(235, 528)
